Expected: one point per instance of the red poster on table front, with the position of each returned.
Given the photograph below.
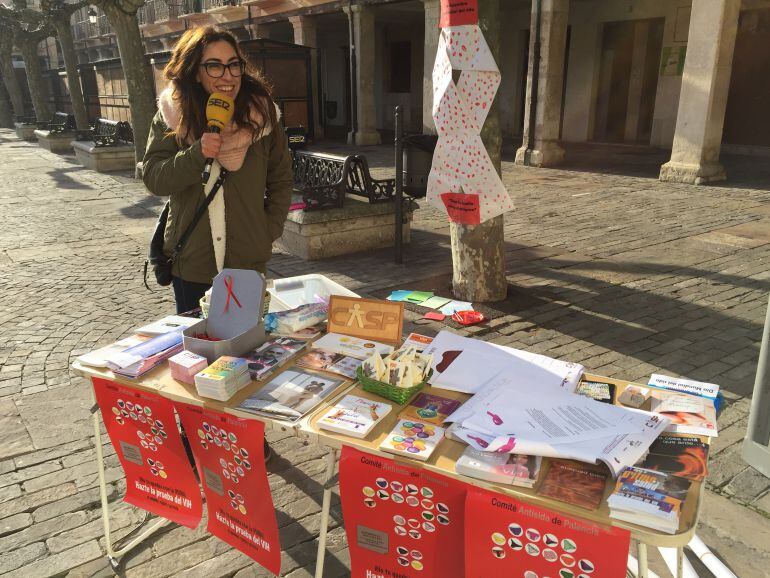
(142, 428)
(230, 456)
(400, 521)
(506, 537)
(458, 13)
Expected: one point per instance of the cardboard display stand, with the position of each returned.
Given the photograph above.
(235, 316)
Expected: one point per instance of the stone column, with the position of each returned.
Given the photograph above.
(366, 113)
(703, 99)
(544, 149)
(432, 15)
(305, 33)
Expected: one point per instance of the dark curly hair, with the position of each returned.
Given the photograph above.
(254, 95)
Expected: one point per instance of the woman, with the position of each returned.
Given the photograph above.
(248, 213)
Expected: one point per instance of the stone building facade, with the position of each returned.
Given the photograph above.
(692, 76)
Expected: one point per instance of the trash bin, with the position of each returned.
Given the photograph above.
(418, 157)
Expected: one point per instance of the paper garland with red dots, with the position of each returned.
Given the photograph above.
(142, 428)
(229, 454)
(400, 521)
(461, 165)
(506, 537)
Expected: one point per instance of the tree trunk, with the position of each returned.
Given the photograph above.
(9, 75)
(73, 76)
(478, 257)
(37, 87)
(139, 82)
(6, 118)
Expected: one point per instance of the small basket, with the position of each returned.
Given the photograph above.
(398, 394)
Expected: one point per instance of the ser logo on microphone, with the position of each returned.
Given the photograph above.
(219, 102)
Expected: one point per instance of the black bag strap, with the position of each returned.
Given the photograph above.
(198, 214)
(159, 230)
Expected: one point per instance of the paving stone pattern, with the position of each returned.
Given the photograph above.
(622, 273)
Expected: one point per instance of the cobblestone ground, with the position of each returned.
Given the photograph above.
(622, 273)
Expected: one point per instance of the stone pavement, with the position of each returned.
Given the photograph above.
(620, 272)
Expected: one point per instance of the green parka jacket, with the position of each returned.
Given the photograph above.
(257, 198)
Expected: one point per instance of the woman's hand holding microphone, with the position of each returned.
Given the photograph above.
(211, 142)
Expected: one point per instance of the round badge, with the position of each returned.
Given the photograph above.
(246, 464)
(515, 529)
(129, 406)
(442, 508)
(442, 519)
(586, 566)
(498, 538)
(427, 515)
(515, 544)
(400, 530)
(242, 509)
(567, 560)
(239, 499)
(144, 444)
(412, 501)
(244, 453)
(232, 437)
(369, 503)
(201, 433)
(147, 411)
(428, 527)
(402, 561)
(532, 549)
(411, 489)
(206, 426)
(132, 415)
(426, 493)
(413, 523)
(153, 471)
(121, 404)
(396, 486)
(417, 565)
(415, 534)
(399, 520)
(231, 494)
(163, 474)
(401, 551)
(416, 554)
(368, 492)
(383, 495)
(381, 483)
(498, 552)
(140, 435)
(533, 535)
(116, 411)
(530, 574)
(218, 441)
(119, 420)
(568, 545)
(222, 462)
(150, 462)
(397, 498)
(158, 424)
(550, 555)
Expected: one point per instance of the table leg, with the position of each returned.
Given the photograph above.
(642, 553)
(112, 554)
(331, 461)
(679, 562)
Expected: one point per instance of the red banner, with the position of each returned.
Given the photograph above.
(458, 13)
(142, 428)
(400, 521)
(230, 456)
(505, 537)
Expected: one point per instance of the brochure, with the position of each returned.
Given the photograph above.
(351, 346)
(169, 323)
(99, 357)
(319, 360)
(291, 394)
(271, 355)
(682, 456)
(430, 408)
(413, 439)
(702, 389)
(354, 416)
(688, 414)
(509, 469)
(574, 483)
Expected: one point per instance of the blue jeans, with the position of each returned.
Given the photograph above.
(188, 294)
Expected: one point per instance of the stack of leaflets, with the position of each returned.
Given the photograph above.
(682, 456)
(185, 364)
(354, 416)
(688, 414)
(320, 360)
(169, 323)
(141, 358)
(351, 346)
(413, 439)
(271, 355)
(290, 395)
(574, 483)
(223, 378)
(99, 357)
(648, 498)
(508, 469)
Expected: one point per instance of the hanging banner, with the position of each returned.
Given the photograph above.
(400, 521)
(461, 165)
(506, 537)
(142, 428)
(230, 456)
(458, 12)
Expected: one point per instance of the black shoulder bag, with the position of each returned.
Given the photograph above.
(156, 258)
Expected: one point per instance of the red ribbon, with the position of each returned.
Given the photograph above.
(230, 293)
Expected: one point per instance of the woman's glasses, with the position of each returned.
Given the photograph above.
(217, 69)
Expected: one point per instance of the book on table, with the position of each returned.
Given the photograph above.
(683, 456)
(271, 355)
(413, 439)
(508, 469)
(354, 416)
(351, 346)
(649, 498)
(575, 483)
(430, 408)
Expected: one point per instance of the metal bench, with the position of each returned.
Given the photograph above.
(325, 179)
(106, 133)
(61, 122)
